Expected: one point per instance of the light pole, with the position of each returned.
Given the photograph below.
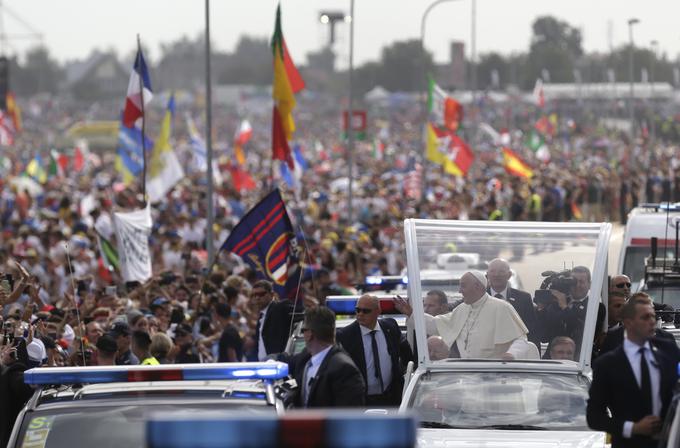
(350, 130)
(631, 74)
(654, 44)
(208, 139)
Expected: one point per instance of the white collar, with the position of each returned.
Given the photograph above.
(319, 357)
(631, 348)
(504, 293)
(481, 301)
(366, 330)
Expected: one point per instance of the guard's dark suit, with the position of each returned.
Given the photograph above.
(338, 382)
(351, 340)
(276, 326)
(522, 303)
(614, 339)
(615, 388)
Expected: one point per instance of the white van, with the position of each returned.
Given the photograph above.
(645, 222)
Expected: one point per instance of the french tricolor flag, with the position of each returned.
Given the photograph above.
(139, 80)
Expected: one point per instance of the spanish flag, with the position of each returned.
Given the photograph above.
(515, 165)
(287, 82)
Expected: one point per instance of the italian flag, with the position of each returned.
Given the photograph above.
(444, 110)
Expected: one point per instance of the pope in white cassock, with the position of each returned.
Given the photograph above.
(480, 327)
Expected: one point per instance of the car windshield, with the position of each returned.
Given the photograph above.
(668, 295)
(502, 400)
(634, 260)
(553, 263)
(110, 426)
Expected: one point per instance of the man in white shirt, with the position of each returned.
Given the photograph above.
(481, 327)
(375, 347)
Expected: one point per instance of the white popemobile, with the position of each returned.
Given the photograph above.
(496, 401)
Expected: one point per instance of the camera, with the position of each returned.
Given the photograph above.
(561, 281)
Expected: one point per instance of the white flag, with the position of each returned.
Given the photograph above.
(171, 173)
(132, 232)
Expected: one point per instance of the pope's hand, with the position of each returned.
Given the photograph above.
(507, 356)
(402, 306)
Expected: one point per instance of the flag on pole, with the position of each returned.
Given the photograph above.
(240, 178)
(79, 156)
(14, 112)
(539, 96)
(36, 169)
(108, 253)
(58, 164)
(137, 98)
(444, 110)
(129, 156)
(534, 141)
(6, 131)
(243, 135)
(447, 149)
(264, 239)
(287, 82)
(200, 158)
(515, 165)
(165, 170)
(132, 233)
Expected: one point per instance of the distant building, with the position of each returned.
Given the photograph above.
(99, 77)
(452, 74)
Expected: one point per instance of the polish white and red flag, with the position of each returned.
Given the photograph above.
(139, 87)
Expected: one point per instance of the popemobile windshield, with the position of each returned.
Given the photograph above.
(563, 270)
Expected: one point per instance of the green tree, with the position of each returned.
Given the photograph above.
(403, 65)
(487, 65)
(251, 63)
(40, 73)
(555, 47)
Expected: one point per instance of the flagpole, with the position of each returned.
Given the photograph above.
(350, 130)
(141, 93)
(208, 140)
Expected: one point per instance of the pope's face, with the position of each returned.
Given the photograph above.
(470, 288)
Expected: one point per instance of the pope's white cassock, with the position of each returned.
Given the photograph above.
(488, 328)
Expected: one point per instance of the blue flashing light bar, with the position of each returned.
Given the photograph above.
(385, 279)
(333, 429)
(168, 372)
(342, 305)
(347, 304)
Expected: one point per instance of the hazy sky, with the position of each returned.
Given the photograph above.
(71, 28)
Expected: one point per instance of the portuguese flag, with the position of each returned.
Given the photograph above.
(287, 82)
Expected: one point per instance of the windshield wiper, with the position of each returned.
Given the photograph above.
(516, 427)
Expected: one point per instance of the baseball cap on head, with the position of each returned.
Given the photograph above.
(119, 329)
(159, 301)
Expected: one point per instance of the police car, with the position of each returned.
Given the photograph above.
(529, 401)
(108, 406)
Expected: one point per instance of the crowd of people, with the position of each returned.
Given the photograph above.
(66, 307)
